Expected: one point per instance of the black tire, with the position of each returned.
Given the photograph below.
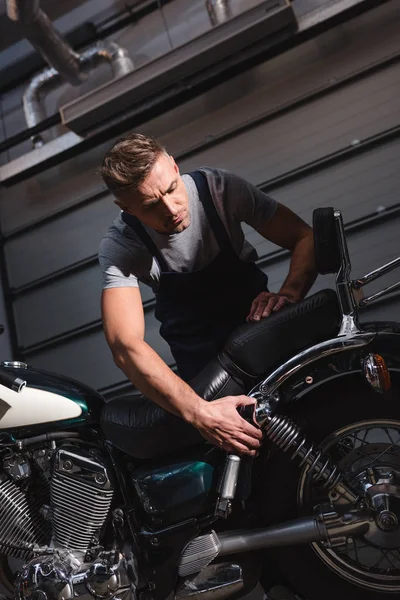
(346, 401)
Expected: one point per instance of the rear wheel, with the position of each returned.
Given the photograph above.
(360, 431)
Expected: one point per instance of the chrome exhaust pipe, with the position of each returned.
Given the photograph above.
(300, 531)
(329, 527)
(322, 528)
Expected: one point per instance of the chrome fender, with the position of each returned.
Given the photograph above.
(325, 361)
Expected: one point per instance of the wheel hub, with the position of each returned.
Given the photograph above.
(382, 493)
(368, 453)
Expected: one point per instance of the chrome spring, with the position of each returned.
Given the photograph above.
(285, 434)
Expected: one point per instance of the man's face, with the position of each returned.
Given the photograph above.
(161, 201)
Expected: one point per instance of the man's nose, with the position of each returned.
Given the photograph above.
(171, 207)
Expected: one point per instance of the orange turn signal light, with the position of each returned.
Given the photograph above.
(376, 373)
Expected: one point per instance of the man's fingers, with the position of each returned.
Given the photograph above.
(243, 400)
(238, 448)
(269, 307)
(281, 303)
(253, 309)
(265, 304)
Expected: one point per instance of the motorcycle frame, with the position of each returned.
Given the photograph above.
(320, 363)
(349, 291)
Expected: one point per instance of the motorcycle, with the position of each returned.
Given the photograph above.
(121, 500)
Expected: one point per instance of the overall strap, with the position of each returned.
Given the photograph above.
(214, 219)
(146, 239)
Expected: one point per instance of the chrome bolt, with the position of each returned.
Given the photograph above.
(309, 380)
(387, 521)
(67, 465)
(100, 478)
(46, 569)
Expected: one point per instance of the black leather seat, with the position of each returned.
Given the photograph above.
(144, 430)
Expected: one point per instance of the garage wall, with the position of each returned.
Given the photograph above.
(317, 126)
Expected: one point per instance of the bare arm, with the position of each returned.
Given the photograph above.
(289, 231)
(219, 421)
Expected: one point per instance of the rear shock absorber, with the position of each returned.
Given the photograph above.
(285, 434)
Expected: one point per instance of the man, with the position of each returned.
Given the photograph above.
(182, 236)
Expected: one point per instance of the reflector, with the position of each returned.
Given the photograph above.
(376, 373)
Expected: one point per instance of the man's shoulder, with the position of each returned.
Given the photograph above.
(220, 181)
(118, 236)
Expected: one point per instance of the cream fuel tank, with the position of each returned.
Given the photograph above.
(38, 399)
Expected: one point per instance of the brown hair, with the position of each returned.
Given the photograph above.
(129, 161)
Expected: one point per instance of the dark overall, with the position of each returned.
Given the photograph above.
(199, 310)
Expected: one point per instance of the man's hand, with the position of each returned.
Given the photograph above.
(220, 423)
(266, 303)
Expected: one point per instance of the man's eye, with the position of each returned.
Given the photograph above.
(150, 205)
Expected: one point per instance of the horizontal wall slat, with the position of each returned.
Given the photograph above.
(358, 186)
(55, 309)
(60, 243)
(351, 113)
(90, 360)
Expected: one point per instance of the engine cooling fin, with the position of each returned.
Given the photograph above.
(199, 553)
(81, 495)
(20, 521)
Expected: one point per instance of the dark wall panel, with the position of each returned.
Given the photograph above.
(336, 121)
(55, 245)
(357, 186)
(89, 359)
(52, 310)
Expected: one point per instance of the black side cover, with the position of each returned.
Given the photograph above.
(326, 244)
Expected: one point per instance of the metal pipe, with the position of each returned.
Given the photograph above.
(32, 100)
(387, 290)
(65, 63)
(300, 531)
(117, 57)
(219, 11)
(358, 283)
(41, 33)
(110, 52)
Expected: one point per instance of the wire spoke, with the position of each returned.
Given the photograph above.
(386, 430)
(388, 559)
(384, 452)
(373, 444)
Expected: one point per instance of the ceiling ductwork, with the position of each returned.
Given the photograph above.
(219, 11)
(40, 32)
(65, 63)
(49, 79)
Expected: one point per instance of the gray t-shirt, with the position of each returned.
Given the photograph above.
(124, 259)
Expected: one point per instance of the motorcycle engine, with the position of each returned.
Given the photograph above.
(80, 498)
(79, 493)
